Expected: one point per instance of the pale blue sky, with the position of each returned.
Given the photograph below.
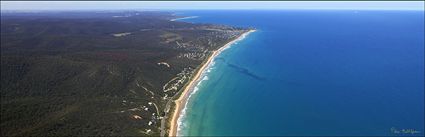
(176, 5)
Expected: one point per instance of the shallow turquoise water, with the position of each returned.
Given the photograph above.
(313, 73)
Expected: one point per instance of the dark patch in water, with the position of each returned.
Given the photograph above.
(241, 69)
(246, 72)
(220, 59)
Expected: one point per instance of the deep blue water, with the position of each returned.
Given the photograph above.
(313, 73)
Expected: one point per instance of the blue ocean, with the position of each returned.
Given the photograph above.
(312, 72)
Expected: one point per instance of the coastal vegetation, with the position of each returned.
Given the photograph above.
(98, 73)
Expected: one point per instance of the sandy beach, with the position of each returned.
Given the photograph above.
(181, 101)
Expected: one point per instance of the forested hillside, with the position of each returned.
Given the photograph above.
(97, 73)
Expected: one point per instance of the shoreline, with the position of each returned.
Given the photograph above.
(181, 101)
(182, 18)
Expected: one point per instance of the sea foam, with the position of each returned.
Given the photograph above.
(181, 121)
(181, 125)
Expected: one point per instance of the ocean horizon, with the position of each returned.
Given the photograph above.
(313, 72)
(213, 68)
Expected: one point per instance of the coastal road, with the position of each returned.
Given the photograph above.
(164, 119)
